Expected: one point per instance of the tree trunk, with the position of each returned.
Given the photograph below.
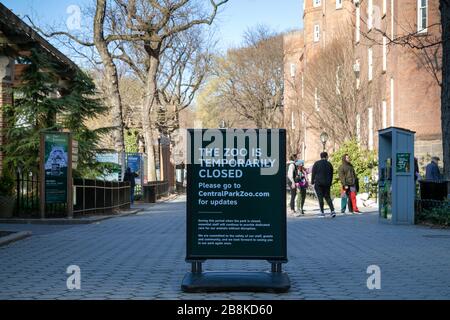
(149, 102)
(111, 78)
(445, 92)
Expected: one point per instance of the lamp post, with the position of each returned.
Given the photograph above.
(324, 139)
(223, 124)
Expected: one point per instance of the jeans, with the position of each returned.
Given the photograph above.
(132, 195)
(293, 194)
(324, 192)
(301, 198)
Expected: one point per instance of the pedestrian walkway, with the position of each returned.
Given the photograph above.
(142, 257)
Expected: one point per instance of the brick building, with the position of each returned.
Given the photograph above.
(408, 94)
(16, 41)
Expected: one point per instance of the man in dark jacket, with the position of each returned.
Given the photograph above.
(321, 178)
(432, 172)
(130, 177)
(348, 178)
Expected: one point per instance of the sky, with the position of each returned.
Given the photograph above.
(236, 17)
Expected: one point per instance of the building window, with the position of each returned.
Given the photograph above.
(392, 20)
(384, 113)
(293, 69)
(370, 15)
(292, 120)
(338, 80)
(357, 69)
(370, 128)
(316, 33)
(303, 87)
(384, 54)
(392, 102)
(370, 63)
(316, 3)
(422, 15)
(304, 133)
(358, 24)
(338, 4)
(316, 100)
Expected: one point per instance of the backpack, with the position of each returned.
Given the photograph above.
(301, 180)
(288, 181)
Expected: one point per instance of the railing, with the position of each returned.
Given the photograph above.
(90, 197)
(96, 196)
(27, 199)
(154, 190)
(162, 188)
(180, 187)
(27, 195)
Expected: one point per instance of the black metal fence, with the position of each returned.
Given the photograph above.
(27, 195)
(89, 196)
(96, 196)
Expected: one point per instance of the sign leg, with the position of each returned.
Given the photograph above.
(276, 267)
(196, 267)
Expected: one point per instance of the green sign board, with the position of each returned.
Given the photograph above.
(236, 194)
(403, 163)
(56, 162)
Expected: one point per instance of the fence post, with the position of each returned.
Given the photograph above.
(17, 191)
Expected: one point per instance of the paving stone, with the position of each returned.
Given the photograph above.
(142, 257)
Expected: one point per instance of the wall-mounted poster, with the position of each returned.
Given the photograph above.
(56, 161)
(403, 163)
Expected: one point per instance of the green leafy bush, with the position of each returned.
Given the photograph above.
(38, 107)
(439, 214)
(6, 184)
(364, 161)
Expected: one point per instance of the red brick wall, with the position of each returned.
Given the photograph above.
(416, 93)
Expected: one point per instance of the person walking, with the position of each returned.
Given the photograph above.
(130, 177)
(291, 176)
(321, 178)
(349, 182)
(432, 172)
(301, 183)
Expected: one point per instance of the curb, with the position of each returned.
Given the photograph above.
(65, 221)
(16, 236)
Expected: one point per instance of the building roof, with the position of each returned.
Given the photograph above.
(18, 37)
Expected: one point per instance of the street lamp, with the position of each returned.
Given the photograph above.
(222, 124)
(324, 139)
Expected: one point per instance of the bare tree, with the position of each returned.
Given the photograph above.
(151, 24)
(336, 92)
(214, 111)
(101, 42)
(434, 53)
(251, 78)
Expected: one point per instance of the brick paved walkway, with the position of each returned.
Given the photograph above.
(142, 257)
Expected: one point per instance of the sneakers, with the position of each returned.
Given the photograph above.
(333, 214)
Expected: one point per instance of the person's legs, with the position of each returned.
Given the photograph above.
(326, 194)
(132, 195)
(293, 193)
(353, 199)
(319, 196)
(349, 201)
(343, 200)
(298, 199)
(303, 196)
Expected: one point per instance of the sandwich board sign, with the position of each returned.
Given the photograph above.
(236, 205)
